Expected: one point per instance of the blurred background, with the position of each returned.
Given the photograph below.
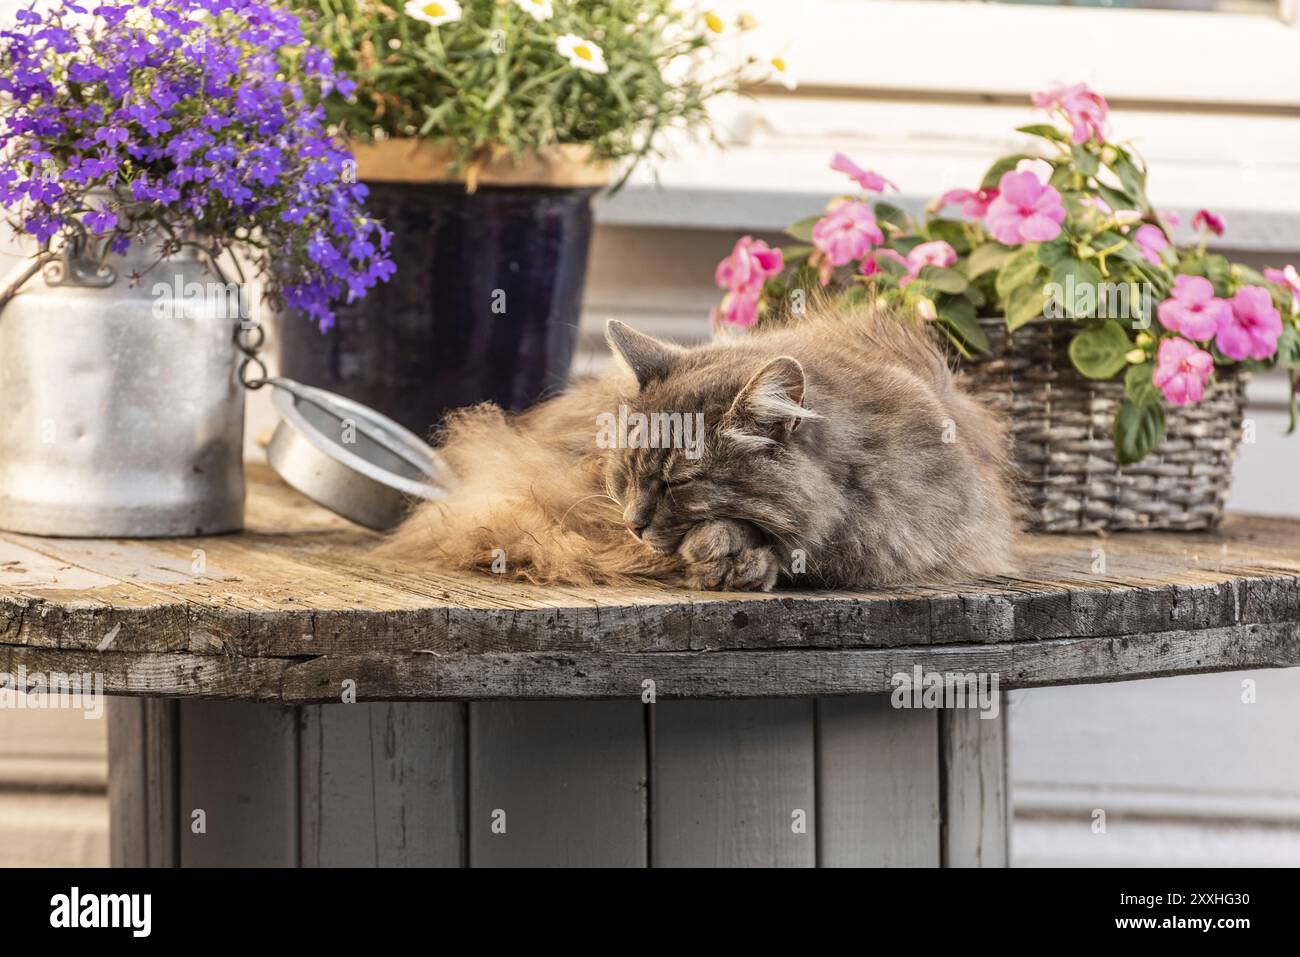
(923, 91)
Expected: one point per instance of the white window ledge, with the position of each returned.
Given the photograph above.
(765, 210)
(1244, 166)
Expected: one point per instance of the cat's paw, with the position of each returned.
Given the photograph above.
(725, 555)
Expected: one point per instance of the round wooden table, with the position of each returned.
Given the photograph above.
(295, 701)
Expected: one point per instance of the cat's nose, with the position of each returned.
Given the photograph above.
(635, 527)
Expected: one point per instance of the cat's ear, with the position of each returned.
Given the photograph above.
(647, 357)
(770, 405)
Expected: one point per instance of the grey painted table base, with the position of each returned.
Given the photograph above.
(796, 782)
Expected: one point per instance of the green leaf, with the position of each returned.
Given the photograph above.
(1132, 180)
(1126, 251)
(1025, 304)
(1045, 130)
(944, 280)
(1057, 251)
(802, 230)
(1138, 385)
(1004, 165)
(1138, 430)
(1020, 270)
(1098, 352)
(951, 231)
(893, 216)
(1085, 161)
(1079, 283)
(1219, 271)
(1288, 347)
(1251, 276)
(1114, 198)
(955, 339)
(793, 254)
(958, 314)
(890, 266)
(987, 258)
(1294, 402)
(1062, 176)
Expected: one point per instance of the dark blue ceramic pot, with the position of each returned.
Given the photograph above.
(484, 306)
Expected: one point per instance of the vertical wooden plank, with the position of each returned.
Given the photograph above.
(383, 785)
(142, 783)
(877, 784)
(239, 767)
(557, 783)
(975, 790)
(128, 842)
(731, 783)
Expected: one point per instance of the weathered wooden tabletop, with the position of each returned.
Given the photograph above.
(296, 606)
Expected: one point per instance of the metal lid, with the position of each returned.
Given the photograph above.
(349, 458)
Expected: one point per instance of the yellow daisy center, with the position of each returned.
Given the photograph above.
(583, 52)
(434, 9)
(778, 64)
(713, 22)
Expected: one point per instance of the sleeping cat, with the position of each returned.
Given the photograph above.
(836, 452)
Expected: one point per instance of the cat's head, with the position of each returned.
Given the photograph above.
(709, 433)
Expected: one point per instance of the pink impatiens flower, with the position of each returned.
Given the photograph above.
(1252, 330)
(1151, 241)
(1084, 107)
(1182, 371)
(974, 203)
(934, 253)
(742, 274)
(1193, 309)
(846, 233)
(1026, 210)
(868, 180)
(871, 265)
(751, 262)
(739, 308)
(1287, 278)
(1204, 219)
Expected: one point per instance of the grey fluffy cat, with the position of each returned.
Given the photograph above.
(837, 452)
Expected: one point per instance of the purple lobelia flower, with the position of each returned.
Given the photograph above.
(125, 121)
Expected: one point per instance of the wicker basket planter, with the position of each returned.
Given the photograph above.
(1062, 428)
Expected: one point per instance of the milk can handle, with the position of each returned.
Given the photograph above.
(19, 275)
(65, 267)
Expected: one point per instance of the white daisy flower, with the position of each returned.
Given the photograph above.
(779, 71)
(582, 54)
(539, 10)
(433, 12)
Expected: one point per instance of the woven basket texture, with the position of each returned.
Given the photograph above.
(1062, 425)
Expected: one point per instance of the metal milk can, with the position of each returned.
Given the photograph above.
(121, 414)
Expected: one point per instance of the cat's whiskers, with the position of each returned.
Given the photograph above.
(587, 498)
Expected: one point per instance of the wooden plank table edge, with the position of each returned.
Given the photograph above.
(695, 622)
(804, 672)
